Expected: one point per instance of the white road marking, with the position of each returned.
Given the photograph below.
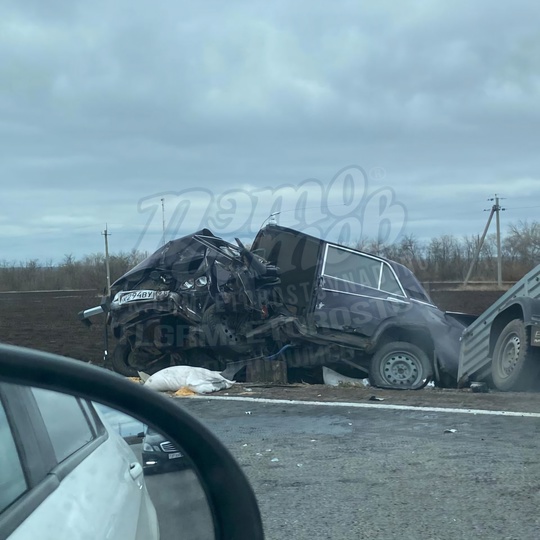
(371, 406)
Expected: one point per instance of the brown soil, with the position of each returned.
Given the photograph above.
(48, 321)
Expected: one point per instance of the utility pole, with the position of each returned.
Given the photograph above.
(499, 257)
(495, 209)
(106, 234)
(163, 219)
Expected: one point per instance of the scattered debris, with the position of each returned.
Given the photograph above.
(184, 392)
(142, 376)
(299, 464)
(450, 430)
(479, 388)
(197, 379)
(430, 384)
(248, 412)
(274, 460)
(333, 378)
(375, 398)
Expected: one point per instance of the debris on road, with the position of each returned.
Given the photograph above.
(375, 398)
(274, 460)
(450, 430)
(333, 378)
(479, 388)
(184, 392)
(197, 379)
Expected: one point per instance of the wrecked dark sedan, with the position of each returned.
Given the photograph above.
(291, 298)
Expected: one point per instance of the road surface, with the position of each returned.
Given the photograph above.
(344, 473)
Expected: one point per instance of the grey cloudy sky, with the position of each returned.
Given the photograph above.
(400, 117)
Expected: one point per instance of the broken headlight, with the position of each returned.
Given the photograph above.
(201, 282)
(187, 285)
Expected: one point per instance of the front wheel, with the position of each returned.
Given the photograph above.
(400, 365)
(514, 365)
(129, 362)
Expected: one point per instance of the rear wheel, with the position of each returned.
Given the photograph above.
(400, 365)
(515, 365)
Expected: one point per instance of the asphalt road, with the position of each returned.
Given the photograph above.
(343, 473)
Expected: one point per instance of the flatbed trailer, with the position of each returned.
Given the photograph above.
(502, 346)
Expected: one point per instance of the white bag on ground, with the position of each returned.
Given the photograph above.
(333, 378)
(200, 380)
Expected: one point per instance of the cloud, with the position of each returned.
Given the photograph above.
(107, 104)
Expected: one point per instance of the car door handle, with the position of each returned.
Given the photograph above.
(135, 470)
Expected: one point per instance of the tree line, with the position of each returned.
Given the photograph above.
(442, 258)
(89, 272)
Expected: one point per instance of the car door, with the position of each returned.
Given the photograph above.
(95, 484)
(356, 292)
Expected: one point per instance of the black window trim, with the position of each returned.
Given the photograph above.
(13, 516)
(33, 443)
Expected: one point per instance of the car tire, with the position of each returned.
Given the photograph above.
(515, 364)
(400, 365)
(120, 359)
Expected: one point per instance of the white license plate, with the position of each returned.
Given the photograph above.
(175, 455)
(137, 296)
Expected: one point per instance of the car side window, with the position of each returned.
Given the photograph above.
(389, 283)
(12, 479)
(65, 421)
(350, 266)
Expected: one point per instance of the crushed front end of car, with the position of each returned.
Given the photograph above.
(184, 304)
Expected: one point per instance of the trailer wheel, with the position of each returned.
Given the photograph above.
(400, 365)
(515, 364)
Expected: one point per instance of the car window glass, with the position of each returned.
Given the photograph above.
(351, 266)
(65, 421)
(12, 481)
(389, 282)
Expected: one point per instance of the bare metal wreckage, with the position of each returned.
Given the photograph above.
(293, 298)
